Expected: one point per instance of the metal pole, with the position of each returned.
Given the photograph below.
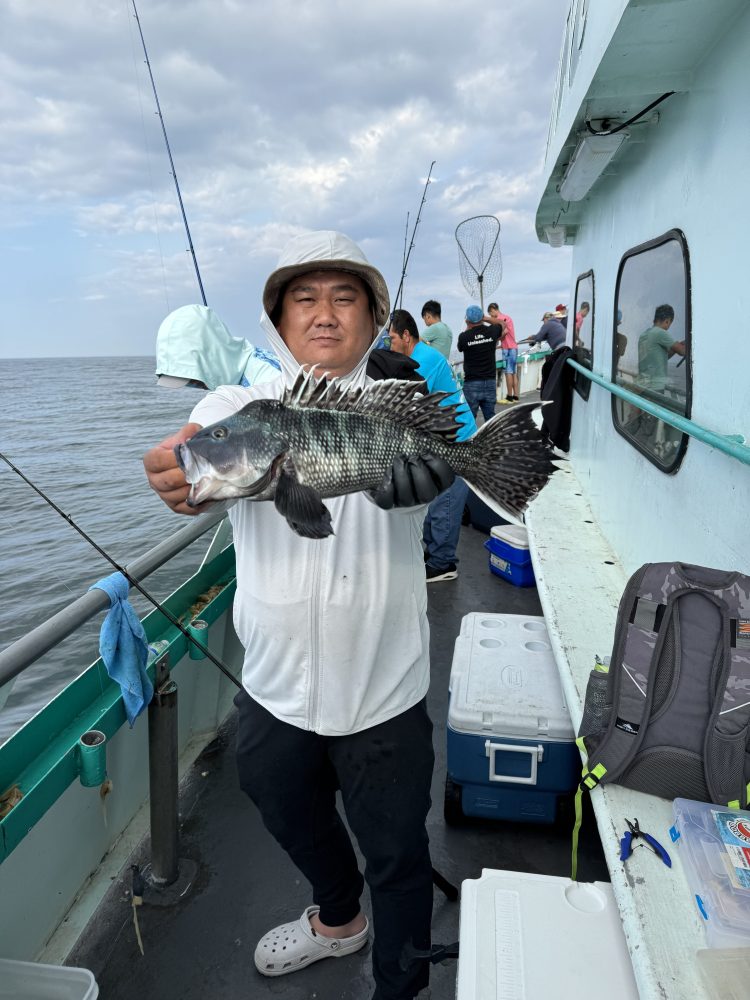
(162, 769)
(14, 659)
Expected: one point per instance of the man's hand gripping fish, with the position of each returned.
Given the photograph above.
(322, 440)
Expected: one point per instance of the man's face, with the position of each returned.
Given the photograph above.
(326, 320)
(398, 344)
(429, 319)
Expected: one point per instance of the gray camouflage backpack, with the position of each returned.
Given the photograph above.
(672, 715)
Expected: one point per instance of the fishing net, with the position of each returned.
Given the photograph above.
(479, 257)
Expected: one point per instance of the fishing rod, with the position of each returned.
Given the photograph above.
(172, 619)
(399, 294)
(406, 240)
(169, 154)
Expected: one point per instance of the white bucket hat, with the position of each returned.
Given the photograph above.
(326, 251)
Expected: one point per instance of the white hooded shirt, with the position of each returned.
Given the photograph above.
(335, 630)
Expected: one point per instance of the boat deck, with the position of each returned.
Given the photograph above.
(202, 948)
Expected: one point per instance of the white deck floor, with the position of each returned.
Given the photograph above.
(580, 582)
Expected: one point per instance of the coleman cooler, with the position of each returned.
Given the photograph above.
(511, 744)
(509, 555)
(539, 937)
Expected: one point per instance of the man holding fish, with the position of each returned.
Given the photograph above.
(331, 602)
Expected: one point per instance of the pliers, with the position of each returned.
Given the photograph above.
(633, 833)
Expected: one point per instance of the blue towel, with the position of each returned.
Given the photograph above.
(123, 646)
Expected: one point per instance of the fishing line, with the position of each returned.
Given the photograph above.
(169, 154)
(148, 161)
(131, 579)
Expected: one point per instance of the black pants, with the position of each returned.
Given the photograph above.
(384, 774)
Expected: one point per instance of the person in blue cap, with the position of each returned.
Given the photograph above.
(478, 344)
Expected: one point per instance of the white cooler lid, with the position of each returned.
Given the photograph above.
(504, 680)
(527, 937)
(514, 534)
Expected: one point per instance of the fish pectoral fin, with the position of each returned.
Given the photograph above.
(301, 505)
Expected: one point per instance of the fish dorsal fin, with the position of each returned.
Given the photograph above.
(391, 398)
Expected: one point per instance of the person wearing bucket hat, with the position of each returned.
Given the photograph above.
(478, 344)
(336, 639)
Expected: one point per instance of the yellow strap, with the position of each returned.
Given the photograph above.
(576, 831)
(747, 794)
(734, 804)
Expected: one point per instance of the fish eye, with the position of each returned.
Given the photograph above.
(219, 433)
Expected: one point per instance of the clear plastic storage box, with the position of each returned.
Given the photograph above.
(714, 848)
(33, 981)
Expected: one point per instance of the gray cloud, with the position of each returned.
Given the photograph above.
(320, 116)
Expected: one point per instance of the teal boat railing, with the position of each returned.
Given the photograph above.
(731, 444)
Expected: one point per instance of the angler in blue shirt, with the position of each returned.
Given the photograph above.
(442, 525)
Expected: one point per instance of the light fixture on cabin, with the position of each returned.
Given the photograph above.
(592, 155)
(555, 235)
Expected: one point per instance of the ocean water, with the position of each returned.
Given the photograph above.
(78, 428)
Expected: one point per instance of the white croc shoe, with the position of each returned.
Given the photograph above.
(294, 945)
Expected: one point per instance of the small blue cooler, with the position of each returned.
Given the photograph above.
(508, 546)
(511, 744)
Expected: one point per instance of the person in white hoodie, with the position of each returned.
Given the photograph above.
(337, 647)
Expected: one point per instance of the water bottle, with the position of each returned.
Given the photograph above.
(155, 649)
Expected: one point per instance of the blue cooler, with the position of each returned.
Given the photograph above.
(508, 546)
(511, 744)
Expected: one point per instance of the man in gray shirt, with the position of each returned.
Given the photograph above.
(436, 333)
(555, 334)
(551, 330)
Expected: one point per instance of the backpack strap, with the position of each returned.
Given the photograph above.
(589, 780)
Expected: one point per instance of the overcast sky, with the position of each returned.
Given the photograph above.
(283, 117)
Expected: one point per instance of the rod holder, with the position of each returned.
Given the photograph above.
(162, 766)
(198, 628)
(92, 753)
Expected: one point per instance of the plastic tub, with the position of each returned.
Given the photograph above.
(714, 847)
(32, 981)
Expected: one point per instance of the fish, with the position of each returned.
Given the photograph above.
(322, 440)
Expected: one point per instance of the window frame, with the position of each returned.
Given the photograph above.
(678, 236)
(581, 382)
(577, 37)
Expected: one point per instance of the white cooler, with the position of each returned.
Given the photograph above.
(539, 937)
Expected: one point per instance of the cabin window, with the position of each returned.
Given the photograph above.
(562, 73)
(651, 346)
(582, 330)
(577, 41)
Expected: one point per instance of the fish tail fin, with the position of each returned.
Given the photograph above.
(511, 461)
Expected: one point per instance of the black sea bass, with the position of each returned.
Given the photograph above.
(321, 440)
